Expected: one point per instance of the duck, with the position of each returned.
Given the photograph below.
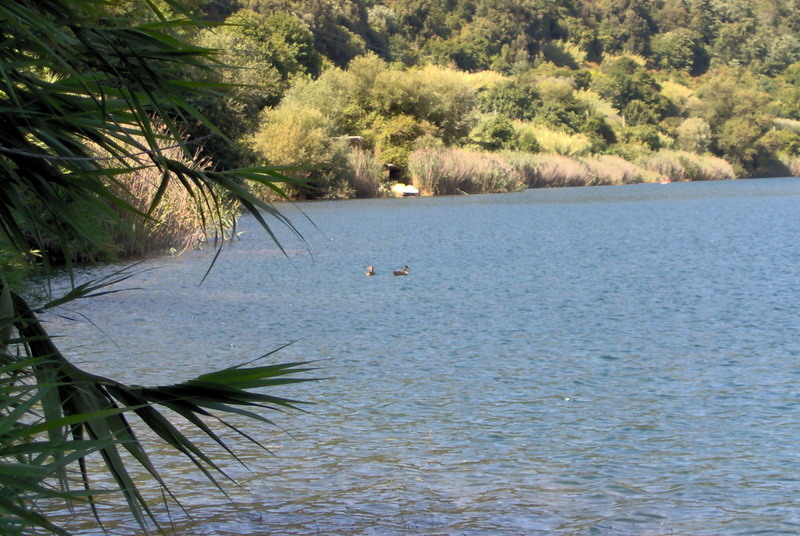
(404, 271)
(370, 270)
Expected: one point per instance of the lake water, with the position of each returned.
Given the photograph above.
(610, 360)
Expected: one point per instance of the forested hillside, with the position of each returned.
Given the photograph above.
(670, 86)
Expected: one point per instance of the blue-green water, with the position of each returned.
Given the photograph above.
(611, 360)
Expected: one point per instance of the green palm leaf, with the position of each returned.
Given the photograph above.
(86, 98)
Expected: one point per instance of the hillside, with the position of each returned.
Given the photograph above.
(651, 82)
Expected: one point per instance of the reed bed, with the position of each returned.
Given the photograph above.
(553, 170)
(610, 169)
(181, 220)
(550, 170)
(686, 166)
(452, 171)
(365, 173)
(447, 171)
(794, 167)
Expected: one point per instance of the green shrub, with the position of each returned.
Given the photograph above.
(510, 99)
(794, 167)
(302, 138)
(494, 132)
(694, 135)
(775, 142)
(646, 135)
(395, 137)
(787, 124)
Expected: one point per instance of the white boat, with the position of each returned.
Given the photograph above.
(404, 190)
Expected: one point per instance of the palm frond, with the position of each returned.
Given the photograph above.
(91, 408)
(86, 98)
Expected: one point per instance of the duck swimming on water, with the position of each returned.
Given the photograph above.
(370, 270)
(404, 271)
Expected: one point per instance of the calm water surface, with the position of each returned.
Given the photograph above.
(611, 360)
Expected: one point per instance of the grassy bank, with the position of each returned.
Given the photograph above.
(450, 171)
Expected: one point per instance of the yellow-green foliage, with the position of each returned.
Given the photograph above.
(394, 137)
(685, 166)
(367, 98)
(641, 60)
(478, 81)
(694, 135)
(553, 141)
(597, 105)
(292, 136)
(787, 124)
(303, 138)
(555, 88)
(452, 171)
(678, 94)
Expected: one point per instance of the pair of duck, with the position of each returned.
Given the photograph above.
(371, 271)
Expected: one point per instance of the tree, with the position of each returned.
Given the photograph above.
(263, 54)
(694, 135)
(680, 50)
(512, 99)
(627, 26)
(79, 82)
(737, 114)
(494, 132)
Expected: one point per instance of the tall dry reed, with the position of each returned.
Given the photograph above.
(448, 171)
(686, 166)
(610, 169)
(182, 218)
(365, 173)
(794, 167)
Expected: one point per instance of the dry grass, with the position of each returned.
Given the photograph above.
(365, 174)
(685, 166)
(609, 169)
(794, 167)
(553, 170)
(453, 171)
(181, 219)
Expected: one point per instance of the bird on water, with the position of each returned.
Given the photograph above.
(404, 271)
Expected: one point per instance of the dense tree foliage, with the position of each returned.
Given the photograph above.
(631, 76)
